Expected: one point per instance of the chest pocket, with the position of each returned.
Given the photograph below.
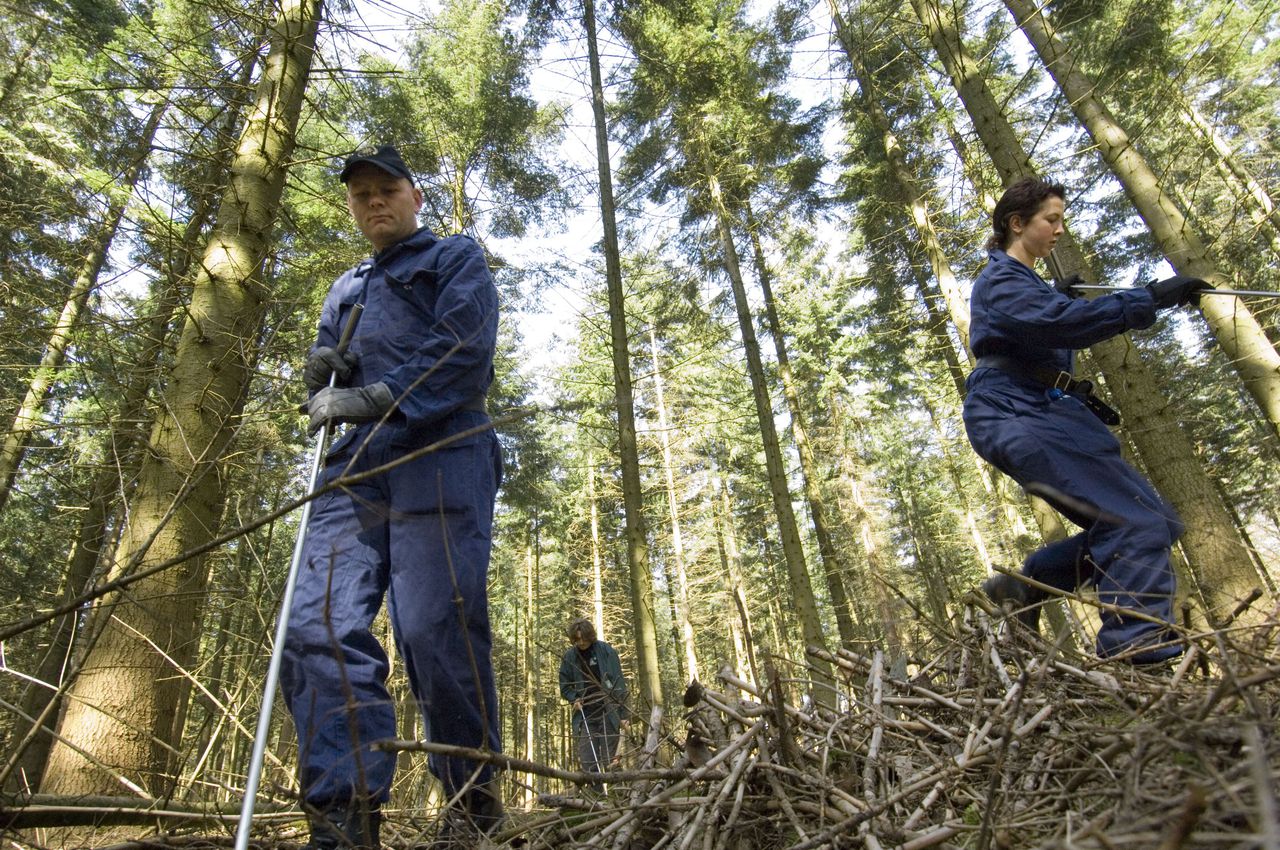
(419, 286)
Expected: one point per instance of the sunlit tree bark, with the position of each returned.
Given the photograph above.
(680, 596)
(120, 717)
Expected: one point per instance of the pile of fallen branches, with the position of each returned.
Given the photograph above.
(996, 742)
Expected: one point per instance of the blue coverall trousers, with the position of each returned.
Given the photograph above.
(420, 535)
(1033, 436)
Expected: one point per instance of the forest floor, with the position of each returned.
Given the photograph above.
(997, 740)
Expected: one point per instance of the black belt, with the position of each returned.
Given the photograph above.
(1053, 379)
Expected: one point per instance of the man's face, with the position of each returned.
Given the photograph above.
(581, 641)
(384, 207)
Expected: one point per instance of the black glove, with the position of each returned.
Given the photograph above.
(1176, 291)
(1067, 287)
(324, 362)
(354, 404)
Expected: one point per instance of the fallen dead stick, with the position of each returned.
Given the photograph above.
(932, 839)
(42, 810)
(526, 766)
(849, 660)
(704, 772)
(792, 712)
(855, 663)
(732, 783)
(584, 805)
(978, 756)
(1268, 813)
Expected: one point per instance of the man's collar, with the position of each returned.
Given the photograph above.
(420, 238)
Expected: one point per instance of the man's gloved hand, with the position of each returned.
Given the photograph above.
(324, 362)
(1177, 290)
(353, 404)
(1067, 287)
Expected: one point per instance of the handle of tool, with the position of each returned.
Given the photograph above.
(349, 330)
(282, 622)
(1238, 293)
(1055, 267)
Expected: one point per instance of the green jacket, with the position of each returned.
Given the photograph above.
(575, 679)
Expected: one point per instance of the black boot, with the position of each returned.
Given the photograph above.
(355, 825)
(478, 813)
(1022, 597)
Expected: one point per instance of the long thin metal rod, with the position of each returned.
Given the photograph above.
(586, 727)
(1255, 293)
(282, 622)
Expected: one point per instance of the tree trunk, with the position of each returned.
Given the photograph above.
(684, 625)
(114, 481)
(833, 566)
(1243, 185)
(597, 574)
(870, 535)
(649, 674)
(731, 563)
(1237, 331)
(806, 605)
(30, 412)
(10, 85)
(914, 199)
(532, 683)
(121, 713)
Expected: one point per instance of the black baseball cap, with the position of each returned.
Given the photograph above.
(385, 157)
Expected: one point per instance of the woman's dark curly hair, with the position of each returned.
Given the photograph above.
(1022, 199)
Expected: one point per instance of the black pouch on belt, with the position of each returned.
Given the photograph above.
(1102, 410)
(1081, 389)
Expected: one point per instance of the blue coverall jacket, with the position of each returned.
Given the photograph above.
(418, 533)
(1037, 434)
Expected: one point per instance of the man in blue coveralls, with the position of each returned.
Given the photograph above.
(1027, 416)
(412, 384)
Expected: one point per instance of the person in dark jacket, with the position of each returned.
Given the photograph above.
(591, 681)
(415, 376)
(1026, 415)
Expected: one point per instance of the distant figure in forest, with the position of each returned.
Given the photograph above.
(415, 375)
(1027, 415)
(591, 681)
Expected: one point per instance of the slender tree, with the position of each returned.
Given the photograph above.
(120, 718)
(637, 542)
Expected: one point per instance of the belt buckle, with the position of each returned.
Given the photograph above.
(1063, 382)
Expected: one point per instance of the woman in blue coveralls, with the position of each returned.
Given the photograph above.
(1026, 416)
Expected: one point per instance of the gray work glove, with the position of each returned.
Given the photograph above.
(325, 362)
(353, 404)
(1177, 290)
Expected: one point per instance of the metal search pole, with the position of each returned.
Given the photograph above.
(586, 730)
(282, 622)
(1247, 293)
